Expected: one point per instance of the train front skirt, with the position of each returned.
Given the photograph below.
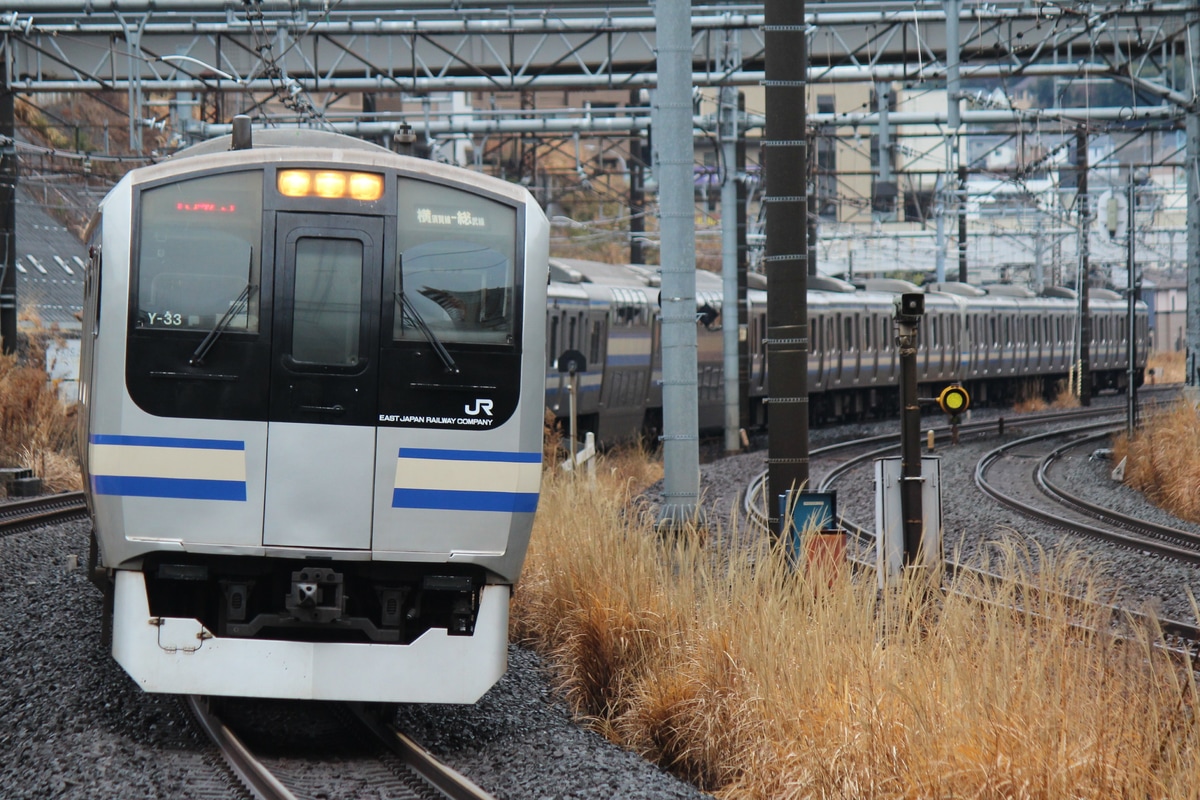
(180, 656)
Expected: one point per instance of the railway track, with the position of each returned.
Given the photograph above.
(851, 454)
(24, 515)
(1073, 512)
(366, 754)
(1069, 510)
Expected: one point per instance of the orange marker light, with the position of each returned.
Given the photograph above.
(329, 184)
(365, 186)
(294, 182)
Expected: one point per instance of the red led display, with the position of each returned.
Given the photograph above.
(205, 206)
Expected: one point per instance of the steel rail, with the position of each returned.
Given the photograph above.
(752, 506)
(1153, 538)
(24, 515)
(452, 784)
(245, 767)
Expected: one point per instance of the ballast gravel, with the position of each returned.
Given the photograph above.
(73, 725)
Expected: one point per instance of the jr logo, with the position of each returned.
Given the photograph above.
(481, 407)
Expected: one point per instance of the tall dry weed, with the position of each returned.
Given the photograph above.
(1161, 459)
(1166, 367)
(37, 429)
(744, 677)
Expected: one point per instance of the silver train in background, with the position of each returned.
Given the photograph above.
(312, 387)
(1002, 343)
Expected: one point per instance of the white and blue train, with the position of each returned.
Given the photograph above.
(312, 428)
(1002, 343)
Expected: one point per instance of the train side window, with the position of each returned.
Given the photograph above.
(594, 357)
(552, 353)
(848, 336)
(571, 332)
(199, 254)
(457, 263)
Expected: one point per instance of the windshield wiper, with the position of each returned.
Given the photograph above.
(408, 308)
(236, 307)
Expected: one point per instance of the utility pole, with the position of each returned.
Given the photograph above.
(673, 166)
(8, 212)
(1085, 322)
(786, 151)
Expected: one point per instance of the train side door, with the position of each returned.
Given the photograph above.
(324, 375)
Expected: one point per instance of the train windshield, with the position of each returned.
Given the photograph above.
(199, 248)
(457, 265)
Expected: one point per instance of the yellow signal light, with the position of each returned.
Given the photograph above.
(954, 400)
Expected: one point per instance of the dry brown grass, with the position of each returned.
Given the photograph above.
(748, 680)
(1168, 367)
(1161, 459)
(1033, 400)
(37, 429)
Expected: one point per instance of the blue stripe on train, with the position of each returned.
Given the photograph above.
(448, 500)
(470, 455)
(164, 441)
(178, 488)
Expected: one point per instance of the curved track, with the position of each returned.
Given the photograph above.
(1010, 463)
(1171, 542)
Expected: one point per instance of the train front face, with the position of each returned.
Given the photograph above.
(314, 444)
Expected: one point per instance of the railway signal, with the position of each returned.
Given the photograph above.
(954, 400)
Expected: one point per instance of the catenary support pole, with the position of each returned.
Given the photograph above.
(1082, 283)
(1131, 308)
(743, 288)
(786, 151)
(1193, 202)
(8, 212)
(731, 318)
(637, 190)
(673, 162)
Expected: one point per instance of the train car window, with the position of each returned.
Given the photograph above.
(199, 251)
(552, 352)
(594, 357)
(867, 333)
(571, 332)
(848, 336)
(457, 264)
(328, 298)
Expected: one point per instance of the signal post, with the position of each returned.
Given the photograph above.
(908, 489)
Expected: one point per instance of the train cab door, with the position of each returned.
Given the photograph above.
(324, 379)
